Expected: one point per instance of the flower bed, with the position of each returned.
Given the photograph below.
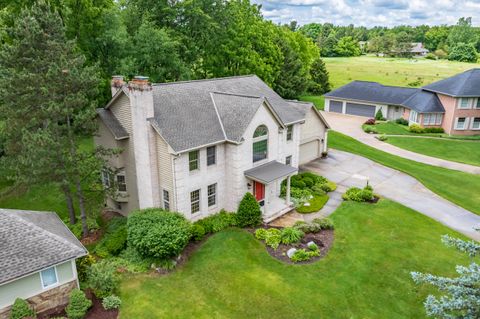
(302, 243)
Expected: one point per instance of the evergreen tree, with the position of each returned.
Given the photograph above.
(320, 83)
(462, 293)
(47, 98)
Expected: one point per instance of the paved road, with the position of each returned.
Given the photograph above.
(352, 126)
(349, 170)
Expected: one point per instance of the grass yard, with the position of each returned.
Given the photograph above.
(316, 203)
(388, 71)
(365, 275)
(456, 186)
(453, 150)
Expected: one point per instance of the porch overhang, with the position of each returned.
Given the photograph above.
(270, 172)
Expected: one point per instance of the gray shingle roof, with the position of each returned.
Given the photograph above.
(415, 99)
(236, 112)
(466, 84)
(185, 113)
(112, 124)
(270, 172)
(31, 241)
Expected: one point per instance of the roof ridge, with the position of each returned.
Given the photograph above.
(55, 236)
(204, 80)
(237, 94)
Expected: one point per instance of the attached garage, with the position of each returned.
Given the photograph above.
(309, 151)
(360, 109)
(336, 106)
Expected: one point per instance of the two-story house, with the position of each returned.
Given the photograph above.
(452, 103)
(198, 146)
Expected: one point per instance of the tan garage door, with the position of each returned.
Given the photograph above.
(309, 151)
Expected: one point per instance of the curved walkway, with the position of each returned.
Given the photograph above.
(352, 126)
(349, 170)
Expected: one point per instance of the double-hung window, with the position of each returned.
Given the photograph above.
(106, 178)
(49, 277)
(195, 201)
(212, 195)
(211, 155)
(193, 160)
(121, 183)
(432, 118)
(464, 103)
(476, 123)
(289, 132)
(288, 160)
(413, 116)
(166, 200)
(461, 121)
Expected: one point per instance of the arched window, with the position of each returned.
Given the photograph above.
(260, 143)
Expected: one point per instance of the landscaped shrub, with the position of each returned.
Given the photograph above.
(415, 128)
(111, 302)
(370, 129)
(102, 278)
(318, 189)
(313, 247)
(323, 223)
(303, 255)
(433, 130)
(76, 228)
(198, 231)
(307, 227)
(249, 213)
(370, 122)
(358, 195)
(401, 121)
(78, 305)
(217, 222)
(296, 183)
(430, 56)
(261, 233)
(21, 309)
(290, 235)
(158, 233)
(382, 137)
(379, 115)
(83, 265)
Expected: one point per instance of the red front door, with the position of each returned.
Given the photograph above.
(259, 191)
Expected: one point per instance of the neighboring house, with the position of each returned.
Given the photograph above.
(198, 146)
(418, 50)
(452, 103)
(37, 260)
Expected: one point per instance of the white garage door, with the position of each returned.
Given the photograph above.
(309, 151)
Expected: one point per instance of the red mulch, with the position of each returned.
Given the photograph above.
(323, 239)
(95, 312)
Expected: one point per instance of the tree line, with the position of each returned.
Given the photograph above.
(459, 42)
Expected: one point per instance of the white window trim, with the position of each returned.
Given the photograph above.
(410, 117)
(199, 201)
(471, 124)
(286, 158)
(196, 160)
(469, 103)
(57, 283)
(286, 134)
(259, 139)
(476, 105)
(125, 181)
(214, 194)
(465, 125)
(215, 155)
(437, 119)
(166, 201)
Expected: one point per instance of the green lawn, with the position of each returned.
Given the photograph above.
(365, 275)
(452, 150)
(316, 203)
(388, 71)
(456, 186)
(391, 128)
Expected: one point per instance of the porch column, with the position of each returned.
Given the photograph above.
(325, 142)
(265, 199)
(287, 198)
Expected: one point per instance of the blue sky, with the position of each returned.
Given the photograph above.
(371, 12)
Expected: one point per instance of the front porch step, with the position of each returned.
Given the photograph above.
(269, 218)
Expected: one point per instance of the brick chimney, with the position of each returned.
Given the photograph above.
(143, 135)
(116, 84)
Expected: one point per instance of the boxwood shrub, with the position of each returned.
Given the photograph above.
(21, 309)
(249, 213)
(358, 195)
(78, 305)
(157, 233)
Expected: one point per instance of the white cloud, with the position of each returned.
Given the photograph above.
(371, 12)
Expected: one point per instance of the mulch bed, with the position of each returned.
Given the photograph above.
(95, 312)
(323, 239)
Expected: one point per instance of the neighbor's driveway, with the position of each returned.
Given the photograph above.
(352, 126)
(349, 170)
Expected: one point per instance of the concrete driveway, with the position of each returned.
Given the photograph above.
(352, 126)
(349, 170)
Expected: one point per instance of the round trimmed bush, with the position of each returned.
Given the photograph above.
(21, 309)
(198, 232)
(249, 213)
(158, 233)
